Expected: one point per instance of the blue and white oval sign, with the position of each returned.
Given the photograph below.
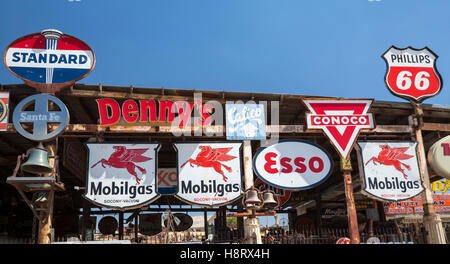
(50, 60)
(293, 165)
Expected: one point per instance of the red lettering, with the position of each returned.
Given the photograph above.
(318, 161)
(182, 114)
(269, 157)
(108, 119)
(163, 106)
(285, 163)
(130, 111)
(301, 168)
(446, 147)
(147, 108)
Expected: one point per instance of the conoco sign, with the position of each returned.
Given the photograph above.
(49, 61)
(292, 165)
(411, 73)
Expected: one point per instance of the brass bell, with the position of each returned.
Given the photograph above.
(269, 202)
(252, 199)
(37, 162)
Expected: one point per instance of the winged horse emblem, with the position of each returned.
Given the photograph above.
(392, 157)
(212, 157)
(125, 158)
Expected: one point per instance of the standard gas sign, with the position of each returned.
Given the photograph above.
(209, 174)
(292, 165)
(121, 175)
(411, 73)
(50, 60)
(389, 170)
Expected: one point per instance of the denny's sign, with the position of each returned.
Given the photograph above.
(155, 112)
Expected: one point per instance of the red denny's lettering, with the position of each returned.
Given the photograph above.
(151, 111)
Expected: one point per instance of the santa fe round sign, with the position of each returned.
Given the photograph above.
(292, 165)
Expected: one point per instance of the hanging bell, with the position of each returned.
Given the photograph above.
(37, 162)
(252, 199)
(269, 202)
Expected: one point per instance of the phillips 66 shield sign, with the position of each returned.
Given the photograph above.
(412, 73)
(209, 174)
(389, 170)
(121, 175)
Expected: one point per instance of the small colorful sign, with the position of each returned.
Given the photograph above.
(411, 73)
(121, 176)
(41, 117)
(292, 165)
(439, 157)
(389, 170)
(167, 180)
(4, 110)
(245, 122)
(49, 61)
(209, 174)
(340, 120)
(441, 201)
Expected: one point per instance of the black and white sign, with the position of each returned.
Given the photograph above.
(209, 174)
(389, 170)
(121, 175)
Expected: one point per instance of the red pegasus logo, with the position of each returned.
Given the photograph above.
(212, 157)
(124, 158)
(391, 157)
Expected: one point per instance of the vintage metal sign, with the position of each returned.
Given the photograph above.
(209, 174)
(411, 73)
(340, 120)
(151, 112)
(167, 180)
(292, 165)
(441, 201)
(4, 110)
(245, 121)
(49, 61)
(41, 117)
(439, 157)
(121, 175)
(389, 170)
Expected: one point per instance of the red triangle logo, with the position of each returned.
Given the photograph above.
(341, 120)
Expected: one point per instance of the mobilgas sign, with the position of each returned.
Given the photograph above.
(49, 61)
(40, 117)
(389, 170)
(121, 175)
(411, 73)
(209, 174)
(292, 165)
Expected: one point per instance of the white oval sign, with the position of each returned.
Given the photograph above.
(292, 165)
(439, 157)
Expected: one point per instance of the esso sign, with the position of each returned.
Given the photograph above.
(412, 73)
(292, 165)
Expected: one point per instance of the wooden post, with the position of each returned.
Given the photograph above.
(431, 220)
(205, 222)
(120, 225)
(252, 230)
(136, 225)
(346, 169)
(45, 225)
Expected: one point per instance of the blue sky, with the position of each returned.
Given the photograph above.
(322, 47)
